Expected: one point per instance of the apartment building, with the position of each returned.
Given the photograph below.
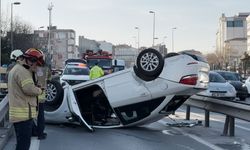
(231, 39)
(62, 45)
(126, 53)
(248, 35)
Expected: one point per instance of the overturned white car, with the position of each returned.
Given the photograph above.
(153, 88)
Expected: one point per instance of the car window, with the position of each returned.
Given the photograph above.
(229, 76)
(76, 71)
(214, 77)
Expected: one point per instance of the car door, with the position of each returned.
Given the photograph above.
(123, 89)
(74, 108)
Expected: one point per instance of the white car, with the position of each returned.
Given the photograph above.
(75, 73)
(247, 83)
(218, 88)
(153, 88)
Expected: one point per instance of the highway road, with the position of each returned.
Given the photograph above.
(161, 135)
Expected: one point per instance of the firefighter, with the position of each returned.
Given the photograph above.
(22, 95)
(43, 74)
(16, 55)
(96, 72)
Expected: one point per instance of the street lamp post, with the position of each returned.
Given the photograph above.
(173, 38)
(153, 27)
(50, 24)
(134, 38)
(164, 38)
(11, 24)
(138, 37)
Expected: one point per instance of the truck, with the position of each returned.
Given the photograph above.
(103, 58)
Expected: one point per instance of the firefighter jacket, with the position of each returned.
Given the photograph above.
(95, 72)
(22, 94)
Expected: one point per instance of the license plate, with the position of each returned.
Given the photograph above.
(218, 94)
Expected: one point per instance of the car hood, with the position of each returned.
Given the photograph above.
(213, 86)
(75, 77)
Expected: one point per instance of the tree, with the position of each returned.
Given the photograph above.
(22, 38)
(213, 61)
(245, 62)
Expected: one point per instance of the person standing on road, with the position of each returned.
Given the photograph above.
(42, 76)
(22, 96)
(96, 72)
(15, 56)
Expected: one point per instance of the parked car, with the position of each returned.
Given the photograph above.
(247, 83)
(155, 87)
(218, 88)
(234, 79)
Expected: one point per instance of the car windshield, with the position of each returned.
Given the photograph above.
(104, 63)
(215, 77)
(76, 71)
(229, 76)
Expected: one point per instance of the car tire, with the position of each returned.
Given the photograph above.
(149, 64)
(54, 93)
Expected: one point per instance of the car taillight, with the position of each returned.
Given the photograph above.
(189, 80)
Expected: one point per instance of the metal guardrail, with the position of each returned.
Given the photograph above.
(4, 107)
(232, 109)
(3, 102)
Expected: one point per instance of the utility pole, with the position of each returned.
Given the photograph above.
(50, 52)
(152, 12)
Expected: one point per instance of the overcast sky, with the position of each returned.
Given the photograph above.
(115, 20)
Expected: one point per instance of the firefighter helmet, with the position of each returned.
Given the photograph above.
(15, 54)
(35, 55)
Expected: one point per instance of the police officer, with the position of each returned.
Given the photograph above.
(96, 72)
(22, 95)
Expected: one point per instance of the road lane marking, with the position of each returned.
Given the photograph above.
(200, 140)
(35, 143)
(202, 116)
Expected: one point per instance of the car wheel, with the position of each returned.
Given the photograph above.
(54, 93)
(149, 64)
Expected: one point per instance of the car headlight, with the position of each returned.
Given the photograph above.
(232, 90)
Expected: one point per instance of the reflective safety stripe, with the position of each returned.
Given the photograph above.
(27, 81)
(22, 113)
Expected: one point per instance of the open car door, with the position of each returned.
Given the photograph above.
(74, 108)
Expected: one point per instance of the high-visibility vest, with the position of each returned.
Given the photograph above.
(96, 72)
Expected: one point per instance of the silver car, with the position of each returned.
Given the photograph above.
(218, 88)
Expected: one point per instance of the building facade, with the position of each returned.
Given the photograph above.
(87, 44)
(126, 53)
(231, 39)
(62, 45)
(248, 35)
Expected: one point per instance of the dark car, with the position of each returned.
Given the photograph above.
(235, 79)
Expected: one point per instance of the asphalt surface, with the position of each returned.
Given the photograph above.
(172, 132)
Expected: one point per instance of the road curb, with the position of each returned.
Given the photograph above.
(5, 134)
